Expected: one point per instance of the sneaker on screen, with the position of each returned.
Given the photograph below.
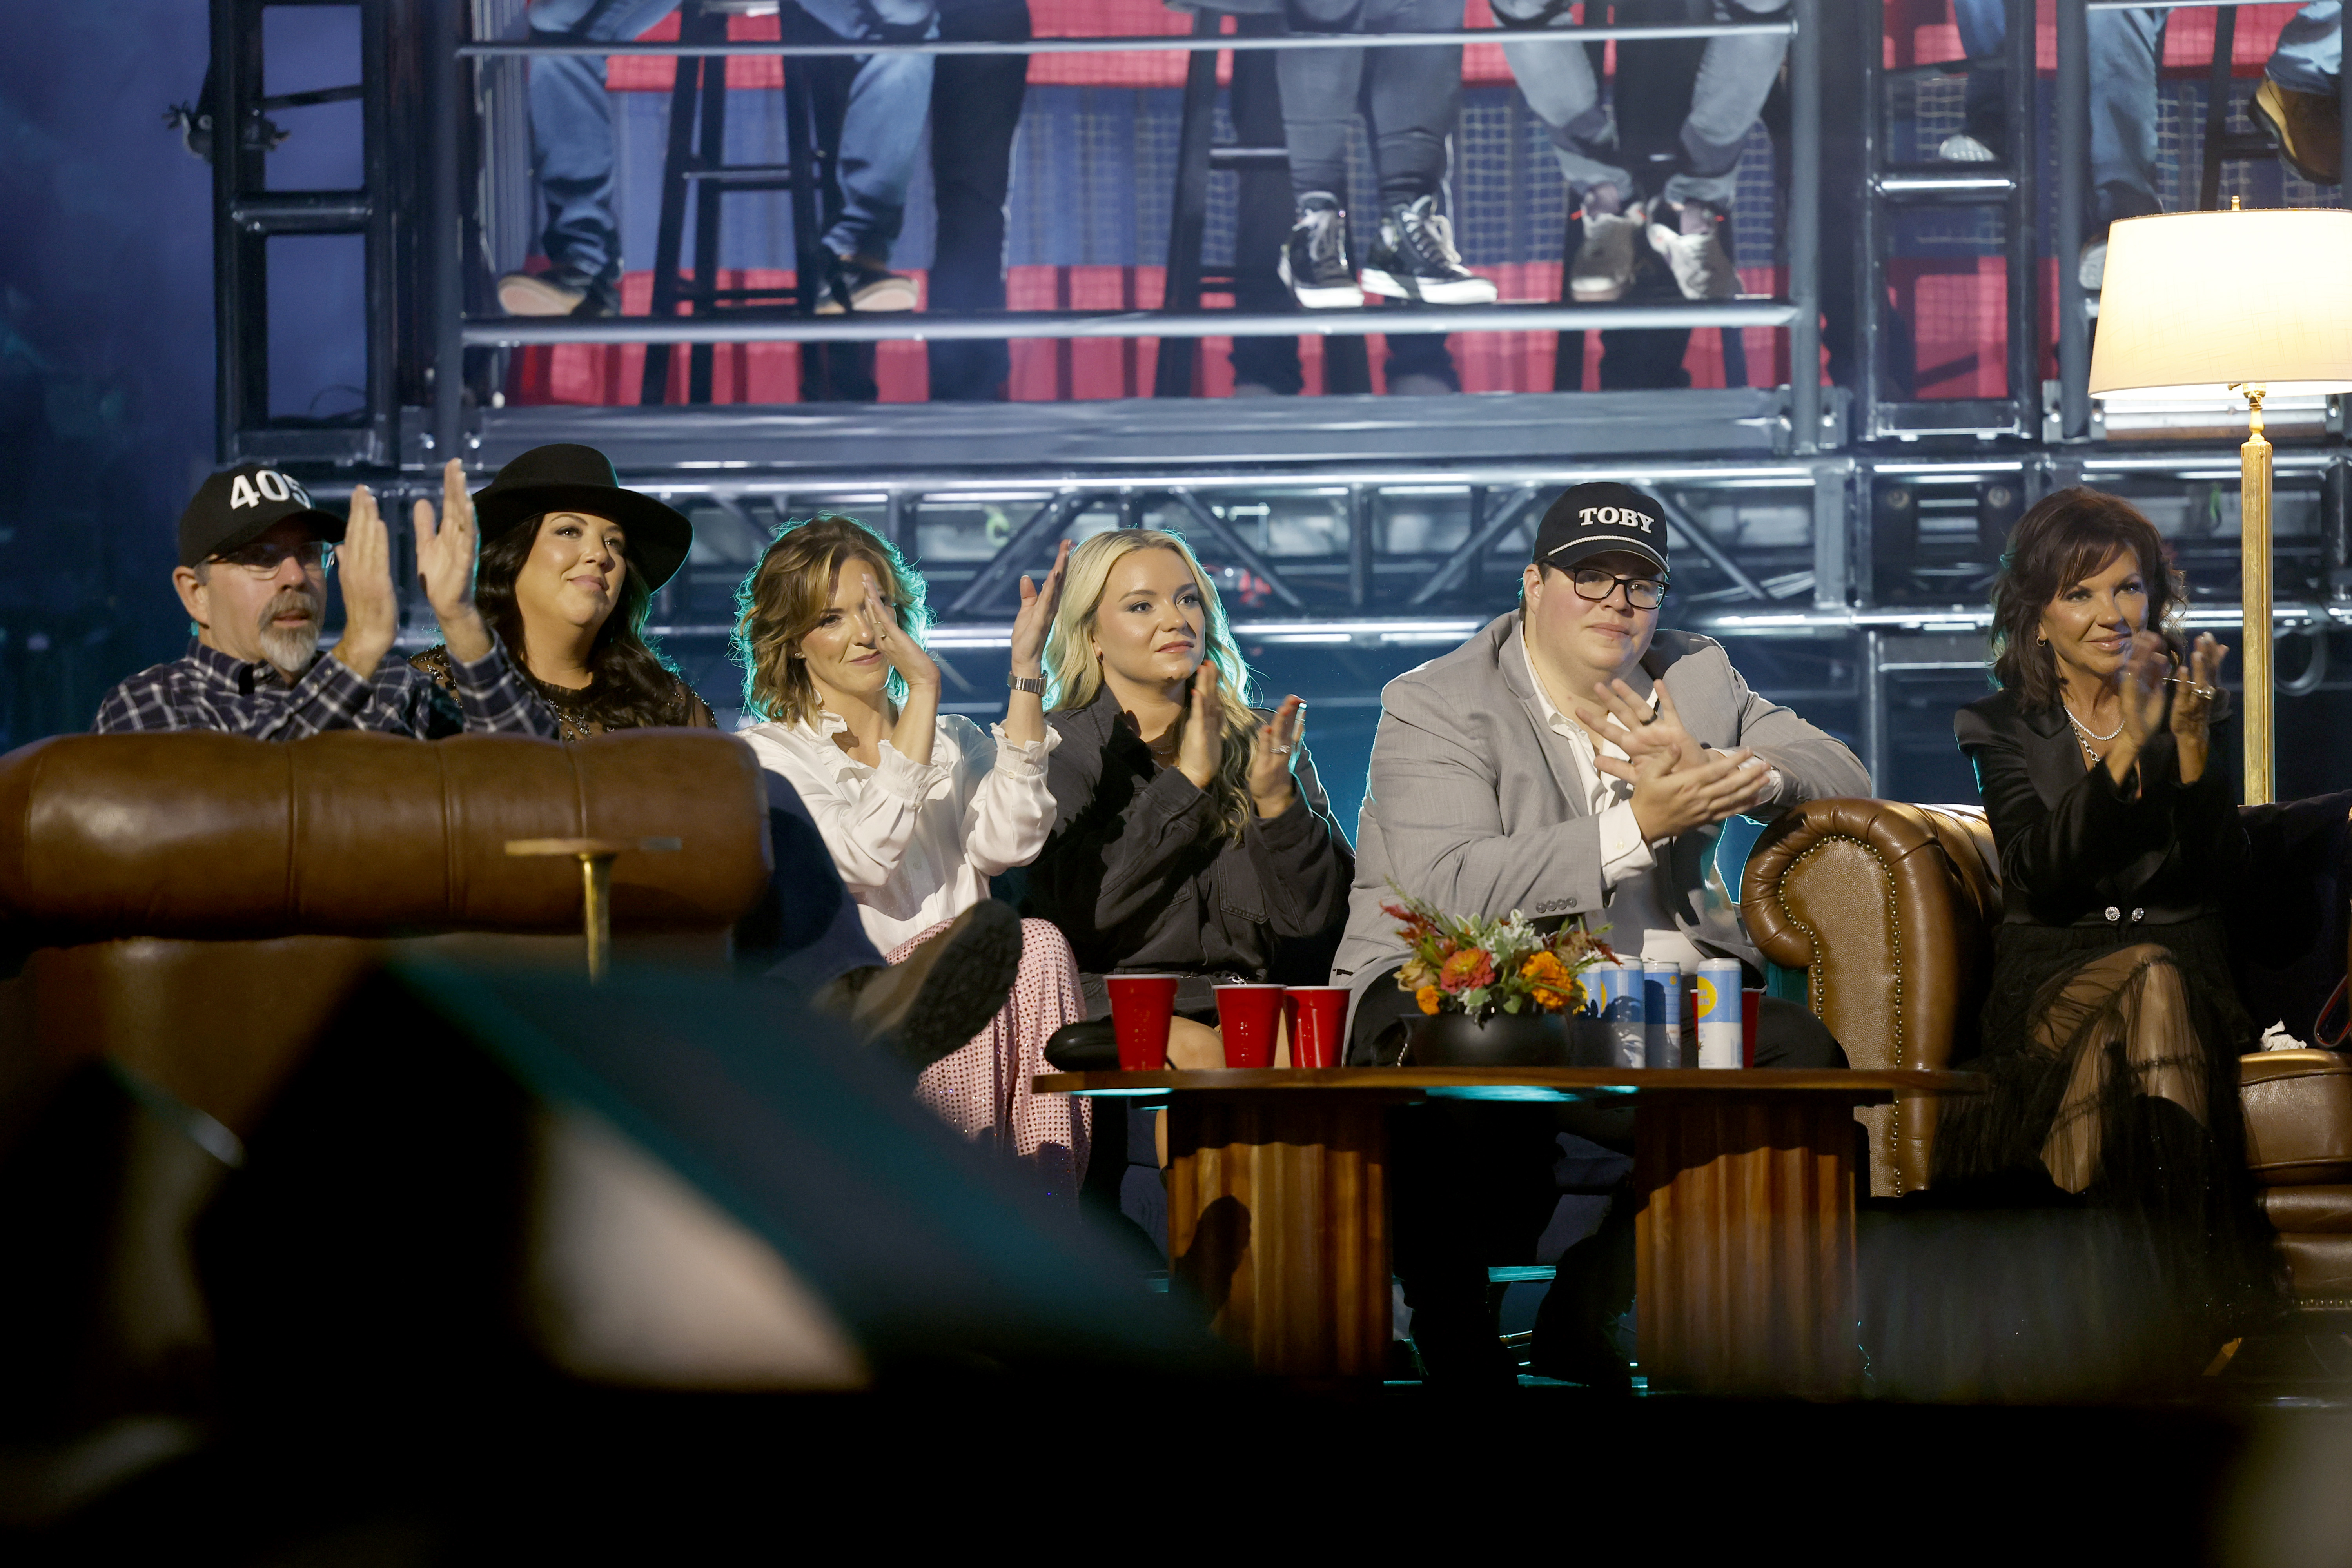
(1415, 259)
(1313, 265)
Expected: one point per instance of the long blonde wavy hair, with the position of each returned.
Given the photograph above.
(1074, 673)
(784, 596)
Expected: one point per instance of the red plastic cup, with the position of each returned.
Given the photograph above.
(1246, 1016)
(1748, 1000)
(1141, 1007)
(1316, 1015)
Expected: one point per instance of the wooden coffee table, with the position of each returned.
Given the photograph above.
(1278, 1208)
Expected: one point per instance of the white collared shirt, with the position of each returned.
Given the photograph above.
(916, 843)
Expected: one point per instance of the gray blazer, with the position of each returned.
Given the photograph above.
(1476, 805)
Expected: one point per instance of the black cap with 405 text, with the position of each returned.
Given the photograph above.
(237, 506)
(1601, 519)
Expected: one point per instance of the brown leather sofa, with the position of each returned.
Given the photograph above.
(193, 907)
(184, 915)
(1889, 910)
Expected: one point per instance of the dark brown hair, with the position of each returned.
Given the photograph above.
(2069, 535)
(633, 685)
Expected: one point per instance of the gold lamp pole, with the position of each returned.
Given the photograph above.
(2254, 597)
(595, 856)
(2199, 308)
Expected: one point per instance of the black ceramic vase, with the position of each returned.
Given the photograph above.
(1504, 1041)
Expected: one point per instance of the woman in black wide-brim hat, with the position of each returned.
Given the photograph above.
(569, 566)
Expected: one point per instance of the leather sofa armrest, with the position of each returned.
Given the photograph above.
(2298, 1109)
(1865, 896)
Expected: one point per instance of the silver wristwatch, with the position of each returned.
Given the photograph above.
(1034, 685)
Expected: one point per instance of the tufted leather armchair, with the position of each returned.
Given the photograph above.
(1889, 910)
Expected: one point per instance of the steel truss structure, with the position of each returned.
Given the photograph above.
(1805, 519)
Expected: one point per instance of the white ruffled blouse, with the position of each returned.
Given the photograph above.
(917, 843)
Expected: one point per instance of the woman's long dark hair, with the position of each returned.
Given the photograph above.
(2069, 535)
(633, 685)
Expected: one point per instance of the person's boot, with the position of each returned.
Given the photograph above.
(1313, 265)
(1690, 237)
(2307, 126)
(1415, 259)
(941, 995)
(1605, 258)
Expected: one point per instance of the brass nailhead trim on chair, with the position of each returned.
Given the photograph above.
(1895, 943)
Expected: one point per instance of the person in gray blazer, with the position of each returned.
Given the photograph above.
(1570, 760)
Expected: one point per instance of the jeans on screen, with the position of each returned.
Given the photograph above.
(2310, 53)
(1558, 79)
(2126, 49)
(571, 123)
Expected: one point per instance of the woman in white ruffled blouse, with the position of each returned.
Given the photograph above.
(920, 808)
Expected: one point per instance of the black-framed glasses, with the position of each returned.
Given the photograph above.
(264, 556)
(1641, 593)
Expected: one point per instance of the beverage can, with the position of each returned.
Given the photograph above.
(1617, 993)
(1716, 990)
(1662, 1012)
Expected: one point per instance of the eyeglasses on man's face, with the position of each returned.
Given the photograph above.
(264, 556)
(1641, 593)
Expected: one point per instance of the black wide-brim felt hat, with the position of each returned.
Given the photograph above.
(567, 476)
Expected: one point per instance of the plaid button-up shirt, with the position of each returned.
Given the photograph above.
(209, 691)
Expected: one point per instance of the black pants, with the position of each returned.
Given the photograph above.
(1472, 1185)
(1409, 100)
(975, 108)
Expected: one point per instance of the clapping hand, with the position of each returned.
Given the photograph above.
(444, 563)
(363, 568)
(1036, 617)
(1640, 731)
(900, 652)
(2192, 704)
(1672, 796)
(1273, 754)
(2140, 684)
(1201, 751)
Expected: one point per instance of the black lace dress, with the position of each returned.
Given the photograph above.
(574, 710)
(2113, 1024)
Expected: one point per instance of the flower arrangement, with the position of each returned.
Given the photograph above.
(1482, 966)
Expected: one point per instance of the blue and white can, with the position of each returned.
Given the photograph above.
(1716, 988)
(1662, 1012)
(1617, 996)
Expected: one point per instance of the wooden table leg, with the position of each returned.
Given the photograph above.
(1745, 1243)
(1278, 1221)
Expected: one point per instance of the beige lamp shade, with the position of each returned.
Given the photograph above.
(2195, 303)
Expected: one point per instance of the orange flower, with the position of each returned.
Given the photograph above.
(1466, 969)
(1549, 983)
(1544, 970)
(1429, 996)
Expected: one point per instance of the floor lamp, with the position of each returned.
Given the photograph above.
(2219, 305)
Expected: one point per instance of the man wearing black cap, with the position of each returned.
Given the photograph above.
(254, 555)
(1545, 766)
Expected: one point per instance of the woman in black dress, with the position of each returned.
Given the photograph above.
(570, 564)
(2113, 1023)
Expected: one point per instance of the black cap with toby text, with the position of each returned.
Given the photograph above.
(1599, 520)
(237, 506)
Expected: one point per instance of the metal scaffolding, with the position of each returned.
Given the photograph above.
(1804, 517)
